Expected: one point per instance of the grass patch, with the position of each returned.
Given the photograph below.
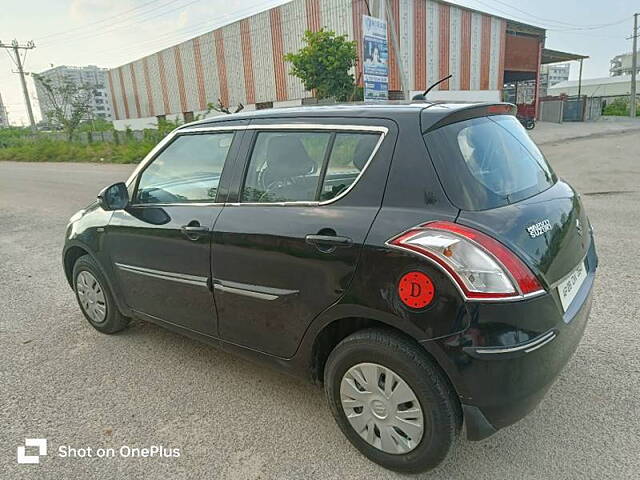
(98, 146)
(48, 150)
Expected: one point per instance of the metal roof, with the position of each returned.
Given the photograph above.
(594, 81)
(556, 56)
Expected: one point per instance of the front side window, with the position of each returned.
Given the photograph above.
(188, 170)
(305, 166)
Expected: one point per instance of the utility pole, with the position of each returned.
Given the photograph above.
(16, 47)
(581, 102)
(634, 66)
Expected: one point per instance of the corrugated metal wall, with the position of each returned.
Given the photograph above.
(242, 62)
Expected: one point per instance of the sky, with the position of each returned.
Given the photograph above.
(109, 33)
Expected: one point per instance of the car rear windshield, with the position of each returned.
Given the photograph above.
(488, 162)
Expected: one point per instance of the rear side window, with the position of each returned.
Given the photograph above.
(285, 167)
(488, 162)
(305, 166)
(350, 154)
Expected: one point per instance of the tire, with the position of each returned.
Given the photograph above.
(404, 361)
(85, 273)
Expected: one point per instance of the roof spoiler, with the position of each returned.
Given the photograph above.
(473, 111)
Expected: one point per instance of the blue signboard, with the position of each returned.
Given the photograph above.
(376, 59)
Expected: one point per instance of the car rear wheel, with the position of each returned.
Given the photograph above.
(391, 401)
(95, 298)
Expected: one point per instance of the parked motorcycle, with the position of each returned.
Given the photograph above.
(527, 122)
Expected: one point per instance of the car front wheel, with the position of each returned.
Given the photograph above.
(95, 298)
(391, 401)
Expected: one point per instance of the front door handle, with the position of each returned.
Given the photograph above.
(328, 243)
(193, 230)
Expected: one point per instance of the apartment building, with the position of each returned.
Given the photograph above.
(92, 76)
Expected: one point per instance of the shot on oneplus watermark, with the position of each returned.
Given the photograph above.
(124, 451)
(34, 448)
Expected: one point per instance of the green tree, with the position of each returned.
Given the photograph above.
(323, 64)
(68, 102)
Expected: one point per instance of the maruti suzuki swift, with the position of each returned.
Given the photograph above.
(421, 261)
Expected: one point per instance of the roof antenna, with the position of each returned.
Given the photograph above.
(423, 96)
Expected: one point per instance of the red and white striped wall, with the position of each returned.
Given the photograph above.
(242, 62)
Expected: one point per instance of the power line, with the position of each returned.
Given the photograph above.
(177, 36)
(119, 25)
(179, 33)
(559, 22)
(82, 27)
(604, 25)
(237, 13)
(553, 28)
(590, 35)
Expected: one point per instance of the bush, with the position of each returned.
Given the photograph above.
(23, 145)
(619, 107)
(12, 136)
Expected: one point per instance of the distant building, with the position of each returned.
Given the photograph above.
(4, 118)
(551, 75)
(621, 65)
(520, 92)
(525, 92)
(607, 87)
(92, 76)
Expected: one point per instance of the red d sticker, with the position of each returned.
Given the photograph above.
(416, 290)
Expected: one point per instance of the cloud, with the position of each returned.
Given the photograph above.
(83, 10)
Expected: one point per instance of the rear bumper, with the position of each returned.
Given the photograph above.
(511, 387)
(503, 365)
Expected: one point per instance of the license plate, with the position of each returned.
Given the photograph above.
(568, 288)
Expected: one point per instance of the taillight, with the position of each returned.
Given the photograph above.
(481, 266)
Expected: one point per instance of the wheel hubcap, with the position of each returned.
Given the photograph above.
(91, 296)
(382, 408)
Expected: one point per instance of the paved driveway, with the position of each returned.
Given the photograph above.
(63, 381)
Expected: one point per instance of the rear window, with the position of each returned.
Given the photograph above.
(488, 162)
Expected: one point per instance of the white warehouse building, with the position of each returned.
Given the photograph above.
(242, 62)
(596, 87)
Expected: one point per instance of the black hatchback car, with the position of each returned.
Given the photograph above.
(421, 261)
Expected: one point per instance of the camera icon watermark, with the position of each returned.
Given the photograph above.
(41, 443)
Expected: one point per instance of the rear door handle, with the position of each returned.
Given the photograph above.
(328, 241)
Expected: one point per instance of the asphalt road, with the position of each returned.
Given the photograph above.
(63, 381)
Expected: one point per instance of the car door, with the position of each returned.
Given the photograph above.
(287, 247)
(160, 245)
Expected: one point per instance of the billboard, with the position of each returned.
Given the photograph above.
(376, 59)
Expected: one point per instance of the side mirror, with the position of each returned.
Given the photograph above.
(115, 197)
